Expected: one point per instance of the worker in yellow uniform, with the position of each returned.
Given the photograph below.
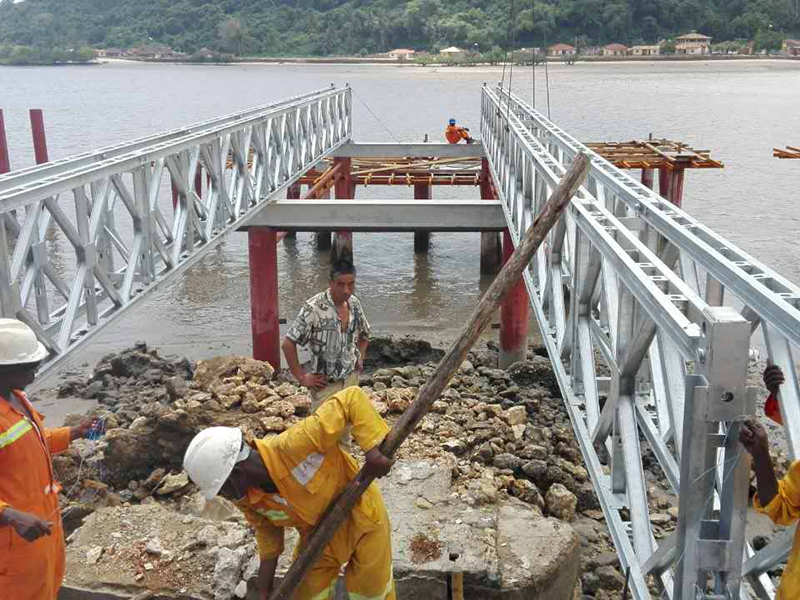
(31, 537)
(454, 133)
(779, 500)
(290, 479)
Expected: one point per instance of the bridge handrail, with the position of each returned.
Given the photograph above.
(20, 177)
(743, 274)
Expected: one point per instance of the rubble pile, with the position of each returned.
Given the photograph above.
(503, 433)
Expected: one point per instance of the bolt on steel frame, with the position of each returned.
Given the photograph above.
(617, 294)
(92, 200)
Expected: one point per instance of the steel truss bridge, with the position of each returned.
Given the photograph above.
(648, 315)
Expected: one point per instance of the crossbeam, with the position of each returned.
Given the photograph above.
(382, 215)
(355, 150)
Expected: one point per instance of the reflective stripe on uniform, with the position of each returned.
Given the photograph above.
(275, 515)
(306, 470)
(381, 596)
(15, 432)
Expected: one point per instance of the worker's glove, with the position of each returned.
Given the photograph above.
(376, 464)
(28, 526)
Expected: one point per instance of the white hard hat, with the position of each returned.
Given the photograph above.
(18, 344)
(211, 456)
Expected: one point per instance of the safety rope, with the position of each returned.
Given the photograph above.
(377, 118)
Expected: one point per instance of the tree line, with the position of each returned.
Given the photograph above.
(363, 27)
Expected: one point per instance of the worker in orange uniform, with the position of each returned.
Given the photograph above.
(779, 500)
(31, 537)
(290, 479)
(455, 134)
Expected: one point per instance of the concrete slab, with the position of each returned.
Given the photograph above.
(506, 551)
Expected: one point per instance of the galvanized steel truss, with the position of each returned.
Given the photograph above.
(617, 293)
(109, 211)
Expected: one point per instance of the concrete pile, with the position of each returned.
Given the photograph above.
(501, 442)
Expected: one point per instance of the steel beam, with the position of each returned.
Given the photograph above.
(355, 150)
(381, 215)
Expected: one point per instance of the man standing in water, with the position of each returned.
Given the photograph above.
(333, 326)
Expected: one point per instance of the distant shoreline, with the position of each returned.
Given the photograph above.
(394, 63)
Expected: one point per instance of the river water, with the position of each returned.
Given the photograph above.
(739, 110)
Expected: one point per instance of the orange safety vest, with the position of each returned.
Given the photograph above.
(30, 570)
(455, 134)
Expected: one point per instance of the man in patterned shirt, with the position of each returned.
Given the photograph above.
(333, 326)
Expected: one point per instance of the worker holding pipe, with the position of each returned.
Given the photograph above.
(454, 133)
(290, 479)
(779, 500)
(31, 537)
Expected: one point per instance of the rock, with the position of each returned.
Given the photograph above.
(272, 424)
(527, 492)
(285, 408)
(609, 578)
(93, 555)
(241, 590)
(227, 572)
(398, 399)
(466, 368)
(301, 404)
(457, 447)
(176, 387)
(660, 519)
(506, 461)
(154, 547)
(250, 404)
(674, 511)
(535, 469)
(210, 372)
(423, 504)
(286, 390)
(173, 483)
(233, 538)
(517, 415)
(518, 430)
(606, 559)
(148, 566)
(561, 503)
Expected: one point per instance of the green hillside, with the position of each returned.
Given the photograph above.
(352, 27)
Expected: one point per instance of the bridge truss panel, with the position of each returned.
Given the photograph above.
(629, 293)
(111, 216)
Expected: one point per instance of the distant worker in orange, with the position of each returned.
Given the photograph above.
(31, 538)
(455, 134)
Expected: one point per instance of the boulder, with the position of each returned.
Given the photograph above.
(561, 503)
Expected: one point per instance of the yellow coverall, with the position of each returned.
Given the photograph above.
(784, 509)
(310, 470)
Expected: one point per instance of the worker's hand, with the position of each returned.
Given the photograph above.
(28, 526)
(82, 430)
(773, 378)
(754, 438)
(314, 381)
(376, 464)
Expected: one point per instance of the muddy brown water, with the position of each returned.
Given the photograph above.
(738, 110)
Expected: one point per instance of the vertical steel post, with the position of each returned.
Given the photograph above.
(342, 246)
(5, 161)
(263, 253)
(324, 237)
(491, 250)
(514, 316)
(422, 239)
(39, 136)
(664, 179)
(648, 175)
(292, 193)
(676, 186)
(717, 399)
